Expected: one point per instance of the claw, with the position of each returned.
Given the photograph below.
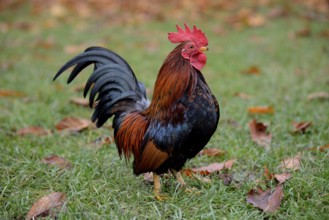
(157, 188)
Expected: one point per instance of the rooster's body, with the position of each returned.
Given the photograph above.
(164, 133)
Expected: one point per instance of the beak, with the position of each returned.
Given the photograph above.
(204, 48)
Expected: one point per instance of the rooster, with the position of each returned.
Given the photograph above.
(164, 133)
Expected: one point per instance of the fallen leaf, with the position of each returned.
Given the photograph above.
(261, 110)
(72, 124)
(305, 32)
(282, 177)
(74, 49)
(212, 152)
(318, 95)
(211, 168)
(256, 20)
(11, 93)
(268, 200)
(101, 141)
(292, 163)
(267, 174)
(148, 177)
(47, 206)
(80, 101)
(242, 95)
(57, 161)
(33, 130)
(227, 178)
(301, 126)
(253, 70)
(322, 148)
(259, 135)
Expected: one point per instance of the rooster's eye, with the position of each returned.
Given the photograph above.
(191, 46)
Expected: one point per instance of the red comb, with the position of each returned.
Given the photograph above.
(195, 35)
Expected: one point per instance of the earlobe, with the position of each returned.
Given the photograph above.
(185, 55)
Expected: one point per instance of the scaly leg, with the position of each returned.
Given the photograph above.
(157, 187)
(178, 176)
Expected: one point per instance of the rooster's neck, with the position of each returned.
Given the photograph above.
(176, 78)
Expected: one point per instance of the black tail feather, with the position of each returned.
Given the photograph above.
(112, 79)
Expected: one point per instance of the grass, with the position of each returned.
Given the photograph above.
(100, 185)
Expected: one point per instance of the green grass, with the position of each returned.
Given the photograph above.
(100, 185)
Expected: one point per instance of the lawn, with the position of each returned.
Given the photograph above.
(289, 55)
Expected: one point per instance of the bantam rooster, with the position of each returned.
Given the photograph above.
(164, 133)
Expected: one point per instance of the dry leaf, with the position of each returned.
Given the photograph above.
(72, 124)
(212, 152)
(291, 163)
(33, 130)
(101, 141)
(80, 102)
(256, 20)
(10, 93)
(282, 177)
(268, 200)
(211, 168)
(301, 126)
(253, 70)
(259, 135)
(227, 178)
(242, 95)
(318, 95)
(267, 174)
(322, 148)
(261, 110)
(47, 206)
(74, 49)
(148, 177)
(305, 32)
(57, 161)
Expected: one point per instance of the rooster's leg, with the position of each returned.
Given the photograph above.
(157, 187)
(178, 177)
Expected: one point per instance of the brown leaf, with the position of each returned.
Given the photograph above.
(292, 163)
(301, 126)
(33, 130)
(267, 174)
(212, 152)
(318, 95)
(227, 178)
(101, 141)
(259, 135)
(211, 168)
(74, 49)
(268, 200)
(148, 177)
(10, 93)
(57, 161)
(282, 177)
(80, 102)
(305, 32)
(242, 95)
(253, 70)
(256, 20)
(47, 206)
(72, 124)
(261, 110)
(322, 148)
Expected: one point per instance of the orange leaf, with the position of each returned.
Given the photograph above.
(261, 110)
(57, 161)
(253, 70)
(268, 200)
(268, 175)
(242, 95)
(33, 130)
(301, 126)
(101, 141)
(47, 206)
(282, 177)
(212, 152)
(258, 133)
(72, 124)
(80, 101)
(322, 148)
(292, 163)
(10, 93)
